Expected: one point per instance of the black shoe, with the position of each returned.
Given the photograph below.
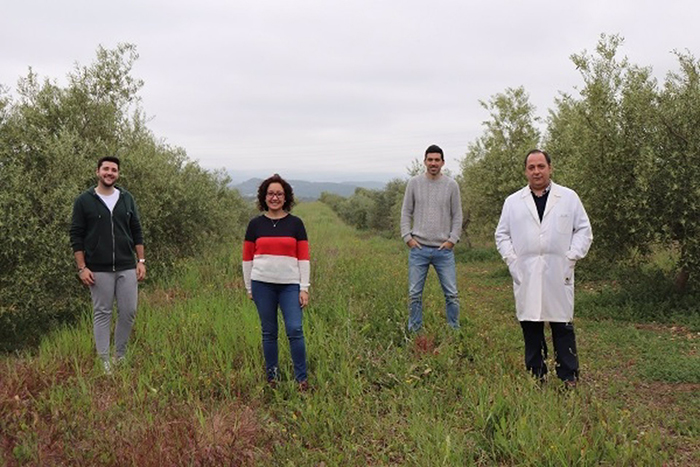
(570, 384)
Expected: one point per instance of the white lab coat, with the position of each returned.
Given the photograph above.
(541, 255)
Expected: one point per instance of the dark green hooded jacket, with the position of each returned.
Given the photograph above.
(107, 239)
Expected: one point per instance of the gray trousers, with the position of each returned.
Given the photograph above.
(123, 286)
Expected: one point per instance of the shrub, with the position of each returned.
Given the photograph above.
(50, 140)
(375, 210)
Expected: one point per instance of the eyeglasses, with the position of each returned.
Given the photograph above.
(273, 194)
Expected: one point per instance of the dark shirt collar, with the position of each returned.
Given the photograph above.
(546, 191)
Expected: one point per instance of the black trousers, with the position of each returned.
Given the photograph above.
(564, 339)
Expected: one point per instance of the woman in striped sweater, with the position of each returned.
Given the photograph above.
(276, 272)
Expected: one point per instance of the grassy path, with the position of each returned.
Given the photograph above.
(192, 392)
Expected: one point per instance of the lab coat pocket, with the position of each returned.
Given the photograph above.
(514, 272)
(565, 224)
(569, 272)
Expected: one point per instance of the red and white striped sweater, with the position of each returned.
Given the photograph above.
(276, 251)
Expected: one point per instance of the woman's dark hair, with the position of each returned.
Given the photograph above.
(288, 193)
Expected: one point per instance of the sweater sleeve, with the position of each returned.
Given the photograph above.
(135, 226)
(304, 275)
(407, 212)
(456, 208)
(247, 264)
(248, 255)
(77, 227)
(303, 258)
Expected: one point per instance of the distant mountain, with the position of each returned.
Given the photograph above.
(308, 191)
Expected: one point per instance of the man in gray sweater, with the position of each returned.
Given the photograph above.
(431, 223)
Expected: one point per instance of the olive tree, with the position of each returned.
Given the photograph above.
(604, 142)
(675, 184)
(493, 167)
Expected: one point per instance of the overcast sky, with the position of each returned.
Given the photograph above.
(335, 90)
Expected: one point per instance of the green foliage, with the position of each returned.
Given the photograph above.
(358, 208)
(676, 166)
(385, 217)
(476, 254)
(417, 167)
(631, 151)
(494, 164)
(642, 296)
(183, 207)
(375, 210)
(602, 143)
(331, 199)
(50, 140)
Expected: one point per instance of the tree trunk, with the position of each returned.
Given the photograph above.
(681, 281)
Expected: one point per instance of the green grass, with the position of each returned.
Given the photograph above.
(193, 390)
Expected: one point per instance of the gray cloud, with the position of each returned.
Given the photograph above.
(335, 87)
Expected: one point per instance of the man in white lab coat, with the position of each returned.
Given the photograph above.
(543, 231)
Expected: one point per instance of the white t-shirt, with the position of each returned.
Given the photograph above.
(110, 200)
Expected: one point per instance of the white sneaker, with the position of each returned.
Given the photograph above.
(107, 367)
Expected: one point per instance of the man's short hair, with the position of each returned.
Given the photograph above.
(104, 159)
(434, 148)
(538, 151)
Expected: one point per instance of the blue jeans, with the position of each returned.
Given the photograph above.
(419, 260)
(267, 297)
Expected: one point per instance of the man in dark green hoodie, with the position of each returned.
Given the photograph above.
(105, 234)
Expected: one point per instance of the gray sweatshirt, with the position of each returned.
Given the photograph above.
(432, 211)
